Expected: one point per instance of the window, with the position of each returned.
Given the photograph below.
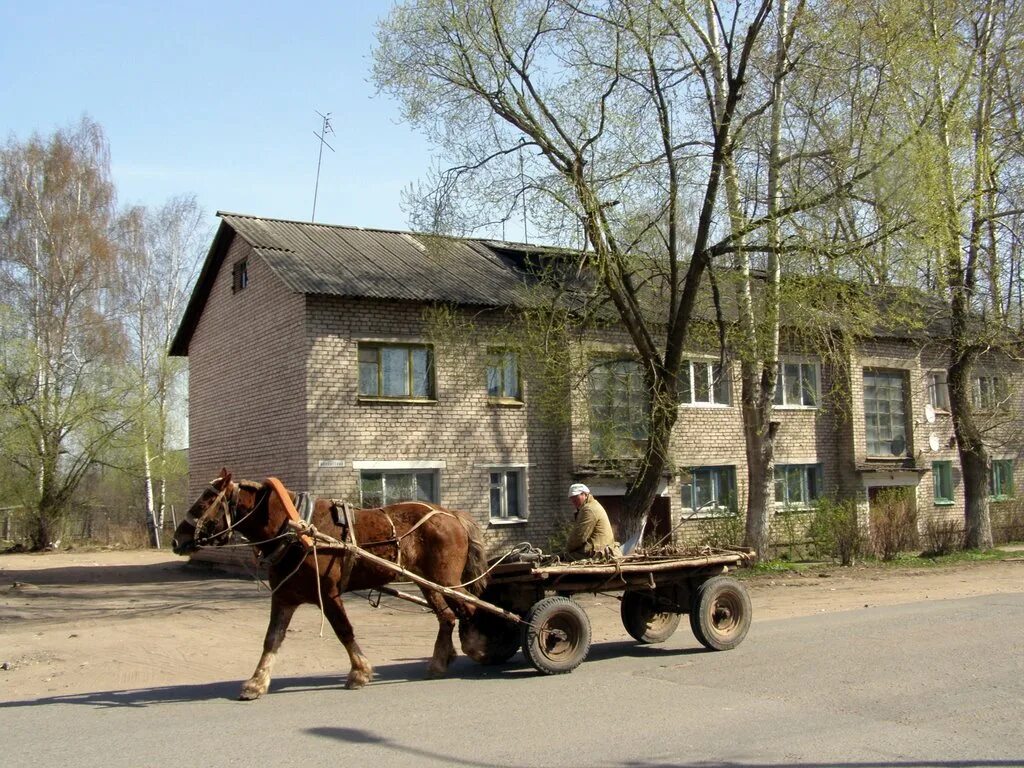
(618, 409)
(798, 485)
(240, 275)
(938, 390)
(942, 478)
(378, 489)
(710, 489)
(989, 392)
(885, 413)
(507, 494)
(1000, 479)
(797, 385)
(396, 370)
(703, 382)
(503, 375)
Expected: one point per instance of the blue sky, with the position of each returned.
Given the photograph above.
(217, 99)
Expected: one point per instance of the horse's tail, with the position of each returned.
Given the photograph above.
(473, 574)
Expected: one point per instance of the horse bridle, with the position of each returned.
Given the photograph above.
(226, 499)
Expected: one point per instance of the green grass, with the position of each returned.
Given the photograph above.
(906, 560)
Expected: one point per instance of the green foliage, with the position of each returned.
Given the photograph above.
(722, 530)
(835, 530)
(893, 523)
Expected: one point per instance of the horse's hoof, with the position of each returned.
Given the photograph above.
(357, 680)
(434, 673)
(251, 691)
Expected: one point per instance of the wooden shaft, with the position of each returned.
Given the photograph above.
(394, 567)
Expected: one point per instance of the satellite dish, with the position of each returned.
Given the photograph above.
(929, 413)
(933, 442)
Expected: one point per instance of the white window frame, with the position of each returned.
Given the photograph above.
(399, 467)
(937, 389)
(617, 417)
(709, 365)
(781, 391)
(901, 375)
(989, 391)
(501, 486)
(805, 469)
(716, 473)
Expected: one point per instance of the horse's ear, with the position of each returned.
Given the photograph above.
(225, 477)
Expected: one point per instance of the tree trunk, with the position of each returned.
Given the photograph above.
(973, 456)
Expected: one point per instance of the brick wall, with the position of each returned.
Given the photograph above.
(460, 434)
(247, 379)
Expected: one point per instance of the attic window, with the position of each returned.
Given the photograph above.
(240, 276)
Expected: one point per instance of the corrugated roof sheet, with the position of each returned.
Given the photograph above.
(349, 261)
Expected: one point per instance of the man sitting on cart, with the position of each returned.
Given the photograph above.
(591, 532)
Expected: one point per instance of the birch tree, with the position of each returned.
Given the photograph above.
(160, 254)
(60, 404)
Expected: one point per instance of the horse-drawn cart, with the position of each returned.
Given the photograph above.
(499, 607)
(554, 631)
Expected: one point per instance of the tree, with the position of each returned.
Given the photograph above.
(969, 163)
(160, 253)
(597, 103)
(60, 400)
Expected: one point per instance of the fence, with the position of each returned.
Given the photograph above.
(93, 524)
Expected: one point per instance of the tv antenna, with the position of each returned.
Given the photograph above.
(325, 130)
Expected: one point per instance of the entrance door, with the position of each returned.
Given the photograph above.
(658, 522)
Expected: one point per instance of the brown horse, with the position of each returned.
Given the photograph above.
(441, 545)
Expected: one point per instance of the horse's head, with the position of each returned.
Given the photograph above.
(208, 521)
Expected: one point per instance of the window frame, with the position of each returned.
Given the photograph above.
(385, 471)
(500, 356)
(240, 275)
(942, 475)
(933, 387)
(995, 397)
(812, 481)
(409, 348)
(901, 376)
(502, 486)
(715, 475)
(630, 433)
(688, 383)
(782, 391)
(1000, 479)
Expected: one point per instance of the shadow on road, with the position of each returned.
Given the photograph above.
(395, 673)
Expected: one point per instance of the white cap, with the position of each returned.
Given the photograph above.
(577, 488)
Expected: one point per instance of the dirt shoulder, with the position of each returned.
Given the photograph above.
(86, 622)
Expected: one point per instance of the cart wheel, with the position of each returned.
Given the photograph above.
(721, 611)
(488, 639)
(644, 623)
(556, 637)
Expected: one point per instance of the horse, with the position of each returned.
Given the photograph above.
(441, 545)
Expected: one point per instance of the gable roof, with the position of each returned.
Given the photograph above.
(330, 260)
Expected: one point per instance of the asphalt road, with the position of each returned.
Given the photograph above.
(925, 684)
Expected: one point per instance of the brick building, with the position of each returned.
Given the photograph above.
(311, 357)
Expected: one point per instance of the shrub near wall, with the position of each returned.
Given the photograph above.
(836, 530)
(1007, 521)
(893, 523)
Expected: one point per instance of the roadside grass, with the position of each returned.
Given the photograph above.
(902, 561)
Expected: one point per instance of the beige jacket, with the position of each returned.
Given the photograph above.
(591, 532)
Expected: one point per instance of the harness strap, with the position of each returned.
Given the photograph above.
(289, 508)
(345, 518)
